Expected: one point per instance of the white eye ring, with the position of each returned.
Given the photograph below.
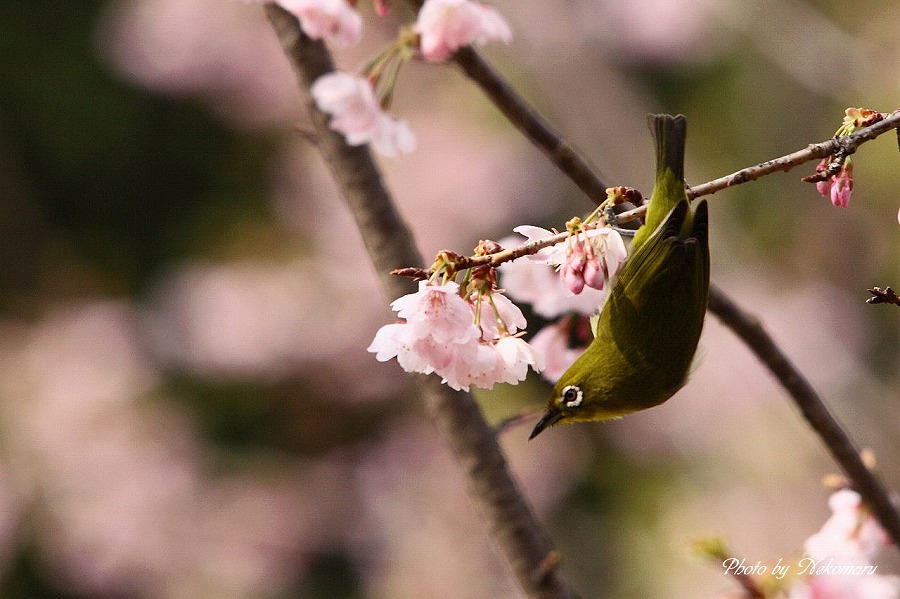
(572, 396)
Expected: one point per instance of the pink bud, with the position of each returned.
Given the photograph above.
(842, 187)
(594, 269)
(574, 279)
(382, 7)
(573, 269)
(823, 187)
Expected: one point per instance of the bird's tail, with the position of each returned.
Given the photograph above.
(669, 135)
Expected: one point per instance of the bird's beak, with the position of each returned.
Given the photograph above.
(550, 418)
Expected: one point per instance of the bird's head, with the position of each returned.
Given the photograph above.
(565, 405)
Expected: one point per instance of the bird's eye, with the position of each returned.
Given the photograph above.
(572, 396)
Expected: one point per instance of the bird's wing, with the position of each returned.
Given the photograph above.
(665, 267)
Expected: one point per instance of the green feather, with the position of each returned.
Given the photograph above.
(649, 327)
(669, 135)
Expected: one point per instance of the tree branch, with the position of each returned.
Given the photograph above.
(870, 487)
(848, 145)
(456, 415)
(531, 123)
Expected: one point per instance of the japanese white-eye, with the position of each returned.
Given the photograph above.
(649, 326)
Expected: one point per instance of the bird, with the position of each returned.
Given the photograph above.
(649, 327)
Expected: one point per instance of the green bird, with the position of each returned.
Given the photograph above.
(648, 329)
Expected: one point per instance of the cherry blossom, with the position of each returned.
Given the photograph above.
(439, 335)
(573, 267)
(515, 355)
(845, 544)
(864, 586)
(592, 258)
(357, 114)
(444, 26)
(839, 186)
(603, 243)
(439, 312)
(588, 258)
(536, 282)
(501, 310)
(332, 20)
(851, 533)
(552, 342)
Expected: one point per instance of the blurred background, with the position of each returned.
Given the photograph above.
(187, 408)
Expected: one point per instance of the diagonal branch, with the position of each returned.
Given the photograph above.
(873, 491)
(531, 124)
(838, 442)
(456, 415)
(847, 145)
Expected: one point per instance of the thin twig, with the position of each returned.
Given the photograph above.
(515, 107)
(823, 423)
(845, 145)
(495, 259)
(456, 415)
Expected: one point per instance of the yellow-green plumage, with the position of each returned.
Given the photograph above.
(649, 327)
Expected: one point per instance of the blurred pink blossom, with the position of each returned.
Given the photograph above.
(264, 319)
(122, 503)
(851, 534)
(552, 342)
(382, 7)
(874, 586)
(850, 537)
(223, 52)
(357, 114)
(417, 514)
(664, 31)
(417, 517)
(332, 20)
(447, 25)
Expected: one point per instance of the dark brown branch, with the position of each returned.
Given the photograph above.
(456, 415)
(525, 118)
(842, 448)
(748, 583)
(531, 124)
